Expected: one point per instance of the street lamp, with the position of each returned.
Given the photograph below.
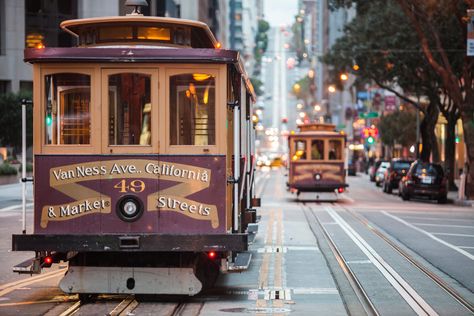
(344, 77)
(332, 88)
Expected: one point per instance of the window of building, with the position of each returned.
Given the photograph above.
(335, 150)
(317, 149)
(67, 110)
(26, 86)
(299, 150)
(192, 109)
(5, 86)
(42, 19)
(130, 109)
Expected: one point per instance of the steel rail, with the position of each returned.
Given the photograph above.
(430, 274)
(359, 291)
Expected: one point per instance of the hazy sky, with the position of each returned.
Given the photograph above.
(279, 12)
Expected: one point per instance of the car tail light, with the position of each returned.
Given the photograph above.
(212, 255)
(340, 190)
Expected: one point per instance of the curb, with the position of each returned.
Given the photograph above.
(467, 203)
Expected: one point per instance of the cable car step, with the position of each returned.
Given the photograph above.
(241, 262)
(30, 266)
(252, 228)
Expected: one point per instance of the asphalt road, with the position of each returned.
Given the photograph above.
(293, 269)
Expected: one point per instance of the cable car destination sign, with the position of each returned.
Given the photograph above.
(163, 185)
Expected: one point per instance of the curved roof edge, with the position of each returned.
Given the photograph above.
(69, 25)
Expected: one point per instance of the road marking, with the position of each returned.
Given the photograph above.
(14, 207)
(34, 302)
(467, 254)
(9, 287)
(278, 268)
(466, 247)
(439, 218)
(443, 225)
(416, 302)
(456, 235)
(314, 290)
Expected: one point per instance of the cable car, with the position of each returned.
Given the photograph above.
(143, 157)
(317, 159)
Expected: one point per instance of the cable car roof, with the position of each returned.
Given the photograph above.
(141, 29)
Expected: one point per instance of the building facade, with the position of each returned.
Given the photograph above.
(32, 23)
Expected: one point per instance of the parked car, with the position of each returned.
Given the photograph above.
(373, 170)
(380, 173)
(394, 173)
(424, 179)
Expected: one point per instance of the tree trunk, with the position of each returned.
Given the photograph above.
(428, 137)
(467, 117)
(450, 150)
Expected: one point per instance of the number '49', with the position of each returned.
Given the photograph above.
(136, 186)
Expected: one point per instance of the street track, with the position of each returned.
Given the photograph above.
(434, 277)
(130, 304)
(359, 291)
(413, 299)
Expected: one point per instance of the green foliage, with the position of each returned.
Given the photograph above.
(261, 44)
(6, 169)
(257, 85)
(10, 119)
(398, 128)
(29, 167)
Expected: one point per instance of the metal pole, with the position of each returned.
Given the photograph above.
(236, 166)
(23, 162)
(417, 149)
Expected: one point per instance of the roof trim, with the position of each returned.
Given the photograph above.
(66, 25)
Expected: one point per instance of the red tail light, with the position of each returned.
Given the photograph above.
(340, 190)
(47, 262)
(212, 255)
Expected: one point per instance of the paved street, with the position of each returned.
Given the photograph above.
(303, 257)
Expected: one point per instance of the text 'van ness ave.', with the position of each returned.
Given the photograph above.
(80, 172)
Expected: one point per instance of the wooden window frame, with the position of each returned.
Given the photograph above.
(154, 118)
(90, 148)
(220, 107)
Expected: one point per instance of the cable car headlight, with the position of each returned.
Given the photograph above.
(317, 177)
(129, 208)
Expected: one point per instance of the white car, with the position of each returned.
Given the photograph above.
(379, 174)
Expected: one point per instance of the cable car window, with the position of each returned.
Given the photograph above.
(115, 33)
(129, 109)
(335, 150)
(317, 149)
(299, 150)
(67, 111)
(153, 33)
(192, 109)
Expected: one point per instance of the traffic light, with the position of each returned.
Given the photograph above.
(49, 120)
(370, 140)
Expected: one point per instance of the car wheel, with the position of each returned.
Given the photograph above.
(405, 197)
(442, 200)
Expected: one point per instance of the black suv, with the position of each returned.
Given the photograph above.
(398, 168)
(424, 179)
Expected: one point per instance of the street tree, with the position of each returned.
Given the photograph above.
(398, 127)
(10, 120)
(441, 28)
(389, 55)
